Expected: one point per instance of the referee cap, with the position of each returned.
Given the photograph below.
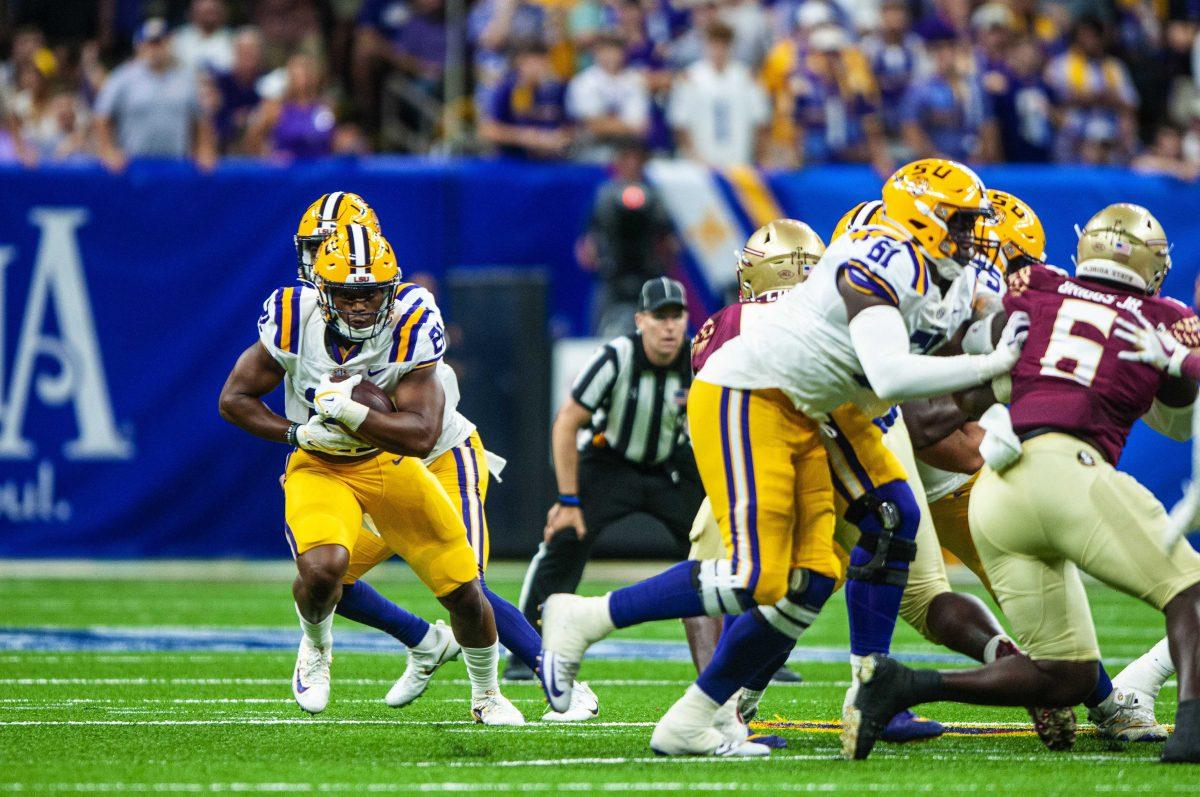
(661, 292)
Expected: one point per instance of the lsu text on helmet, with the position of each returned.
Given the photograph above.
(936, 202)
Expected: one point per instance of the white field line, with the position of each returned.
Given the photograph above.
(353, 682)
(906, 787)
(307, 721)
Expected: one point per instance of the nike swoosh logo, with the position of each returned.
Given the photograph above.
(375, 373)
(552, 681)
(301, 688)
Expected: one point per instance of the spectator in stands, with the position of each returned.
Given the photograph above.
(28, 47)
(149, 107)
(628, 239)
(895, 54)
(718, 111)
(608, 100)
(1166, 156)
(494, 27)
(943, 15)
(407, 37)
(289, 27)
(837, 105)
(1094, 91)
(237, 89)
(298, 126)
(204, 42)
(946, 114)
(752, 33)
(645, 54)
(527, 116)
(778, 70)
(1098, 145)
(1024, 108)
(51, 125)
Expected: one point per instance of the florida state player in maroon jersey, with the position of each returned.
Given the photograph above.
(1051, 503)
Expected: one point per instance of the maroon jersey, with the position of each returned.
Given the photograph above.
(720, 328)
(1069, 376)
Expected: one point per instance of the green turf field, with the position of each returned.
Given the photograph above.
(205, 721)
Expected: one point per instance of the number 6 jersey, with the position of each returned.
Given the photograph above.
(292, 331)
(1069, 376)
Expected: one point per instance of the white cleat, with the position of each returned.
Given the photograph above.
(495, 709)
(584, 706)
(570, 625)
(422, 664)
(1127, 716)
(689, 728)
(728, 723)
(310, 681)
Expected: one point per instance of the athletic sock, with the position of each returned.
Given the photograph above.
(515, 632)
(481, 669)
(1104, 687)
(670, 595)
(759, 682)
(363, 604)
(320, 634)
(1148, 673)
(747, 644)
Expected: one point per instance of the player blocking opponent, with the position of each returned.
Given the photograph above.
(359, 319)
(1051, 503)
(465, 469)
(776, 378)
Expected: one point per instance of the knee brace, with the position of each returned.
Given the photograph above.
(887, 519)
(792, 614)
(720, 588)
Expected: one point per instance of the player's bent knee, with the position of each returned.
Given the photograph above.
(888, 519)
(323, 566)
(792, 614)
(722, 590)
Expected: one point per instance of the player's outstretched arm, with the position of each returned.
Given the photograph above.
(880, 340)
(254, 375)
(414, 428)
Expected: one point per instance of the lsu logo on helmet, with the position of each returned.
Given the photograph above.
(355, 274)
(1012, 237)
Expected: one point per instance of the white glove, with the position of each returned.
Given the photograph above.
(1154, 347)
(316, 435)
(1184, 517)
(1000, 447)
(333, 401)
(1008, 350)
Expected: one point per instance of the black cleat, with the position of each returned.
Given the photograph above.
(516, 670)
(1054, 726)
(785, 676)
(885, 687)
(1184, 745)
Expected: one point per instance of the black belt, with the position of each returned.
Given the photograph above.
(1038, 431)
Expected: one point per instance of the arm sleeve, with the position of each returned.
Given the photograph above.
(594, 382)
(1174, 422)
(881, 342)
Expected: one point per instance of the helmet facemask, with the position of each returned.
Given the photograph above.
(306, 250)
(350, 323)
(961, 244)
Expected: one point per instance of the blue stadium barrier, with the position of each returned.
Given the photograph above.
(124, 300)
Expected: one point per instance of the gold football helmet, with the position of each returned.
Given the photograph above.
(936, 202)
(777, 257)
(860, 215)
(355, 274)
(331, 211)
(1013, 236)
(1124, 243)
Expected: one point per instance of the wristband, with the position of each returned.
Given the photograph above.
(290, 436)
(568, 499)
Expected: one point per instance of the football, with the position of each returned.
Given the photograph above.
(373, 396)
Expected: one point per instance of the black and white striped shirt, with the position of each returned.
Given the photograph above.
(639, 408)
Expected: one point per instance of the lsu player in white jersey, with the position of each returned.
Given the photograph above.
(464, 468)
(358, 321)
(777, 378)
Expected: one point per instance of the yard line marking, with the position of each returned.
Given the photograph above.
(299, 721)
(145, 681)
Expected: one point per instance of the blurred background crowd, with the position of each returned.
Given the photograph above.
(773, 83)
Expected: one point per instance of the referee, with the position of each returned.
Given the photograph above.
(632, 396)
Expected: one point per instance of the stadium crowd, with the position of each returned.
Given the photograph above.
(777, 83)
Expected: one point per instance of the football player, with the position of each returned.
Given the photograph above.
(464, 469)
(359, 320)
(775, 379)
(1050, 501)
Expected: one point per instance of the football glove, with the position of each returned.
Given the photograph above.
(1008, 350)
(333, 401)
(316, 435)
(1154, 347)
(1000, 447)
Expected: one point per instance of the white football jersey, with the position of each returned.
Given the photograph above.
(293, 332)
(801, 343)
